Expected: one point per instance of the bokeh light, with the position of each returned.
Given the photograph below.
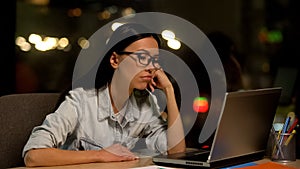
(200, 105)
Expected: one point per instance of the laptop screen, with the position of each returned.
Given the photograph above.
(245, 123)
(243, 128)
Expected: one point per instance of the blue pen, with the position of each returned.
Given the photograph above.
(284, 130)
(286, 124)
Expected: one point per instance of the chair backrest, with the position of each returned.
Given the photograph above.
(19, 113)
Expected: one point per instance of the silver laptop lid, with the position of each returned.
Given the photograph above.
(245, 123)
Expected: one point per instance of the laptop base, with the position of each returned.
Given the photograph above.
(212, 165)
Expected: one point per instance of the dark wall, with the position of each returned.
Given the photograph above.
(7, 57)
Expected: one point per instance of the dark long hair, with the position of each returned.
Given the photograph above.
(122, 37)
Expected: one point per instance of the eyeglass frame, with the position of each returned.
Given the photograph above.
(139, 57)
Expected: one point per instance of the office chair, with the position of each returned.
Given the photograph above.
(19, 113)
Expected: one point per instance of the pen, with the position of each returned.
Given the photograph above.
(286, 124)
(276, 140)
(284, 129)
(293, 125)
(290, 138)
(292, 117)
(278, 145)
(92, 143)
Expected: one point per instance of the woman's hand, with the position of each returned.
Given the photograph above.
(160, 80)
(117, 152)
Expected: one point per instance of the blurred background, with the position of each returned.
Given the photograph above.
(265, 33)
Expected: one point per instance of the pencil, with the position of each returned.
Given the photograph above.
(276, 141)
(290, 138)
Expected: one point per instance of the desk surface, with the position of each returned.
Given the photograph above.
(112, 165)
(291, 164)
(131, 164)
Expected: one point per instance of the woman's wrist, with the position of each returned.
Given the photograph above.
(98, 155)
(168, 89)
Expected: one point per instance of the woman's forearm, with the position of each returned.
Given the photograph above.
(175, 133)
(54, 156)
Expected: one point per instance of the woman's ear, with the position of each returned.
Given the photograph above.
(114, 60)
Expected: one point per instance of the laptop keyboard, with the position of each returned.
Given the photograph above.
(203, 156)
(192, 155)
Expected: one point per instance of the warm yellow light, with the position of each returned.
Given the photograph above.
(174, 44)
(83, 43)
(34, 38)
(20, 40)
(63, 42)
(77, 12)
(105, 14)
(115, 25)
(25, 46)
(167, 34)
(41, 46)
(128, 12)
(39, 2)
(51, 42)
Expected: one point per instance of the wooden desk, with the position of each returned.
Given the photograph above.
(113, 165)
(292, 164)
(130, 164)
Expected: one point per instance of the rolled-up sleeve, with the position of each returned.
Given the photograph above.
(56, 126)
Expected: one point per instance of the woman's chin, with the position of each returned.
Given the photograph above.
(141, 87)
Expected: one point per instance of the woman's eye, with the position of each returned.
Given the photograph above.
(143, 57)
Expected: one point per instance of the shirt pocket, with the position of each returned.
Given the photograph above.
(136, 134)
(131, 142)
(88, 144)
(138, 130)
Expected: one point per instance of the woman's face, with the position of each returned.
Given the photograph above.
(140, 75)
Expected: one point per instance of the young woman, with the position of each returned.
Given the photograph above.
(104, 123)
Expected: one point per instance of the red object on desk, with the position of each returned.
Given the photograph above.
(269, 165)
(293, 125)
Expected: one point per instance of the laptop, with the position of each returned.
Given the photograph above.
(241, 135)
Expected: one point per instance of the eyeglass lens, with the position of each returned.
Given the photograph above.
(145, 58)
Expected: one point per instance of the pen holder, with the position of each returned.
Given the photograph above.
(284, 147)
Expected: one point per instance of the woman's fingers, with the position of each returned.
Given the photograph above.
(162, 80)
(152, 85)
(119, 150)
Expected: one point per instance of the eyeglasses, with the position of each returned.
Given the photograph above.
(144, 58)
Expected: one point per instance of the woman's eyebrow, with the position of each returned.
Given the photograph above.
(145, 51)
(142, 50)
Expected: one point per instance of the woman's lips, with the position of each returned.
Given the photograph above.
(146, 78)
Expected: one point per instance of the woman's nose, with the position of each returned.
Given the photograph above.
(150, 66)
(151, 70)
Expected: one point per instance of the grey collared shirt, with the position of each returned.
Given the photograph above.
(86, 121)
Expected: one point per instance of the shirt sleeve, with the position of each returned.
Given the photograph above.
(56, 126)
(157, 139)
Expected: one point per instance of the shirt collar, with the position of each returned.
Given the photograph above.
(104, 103)
(105, 109)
